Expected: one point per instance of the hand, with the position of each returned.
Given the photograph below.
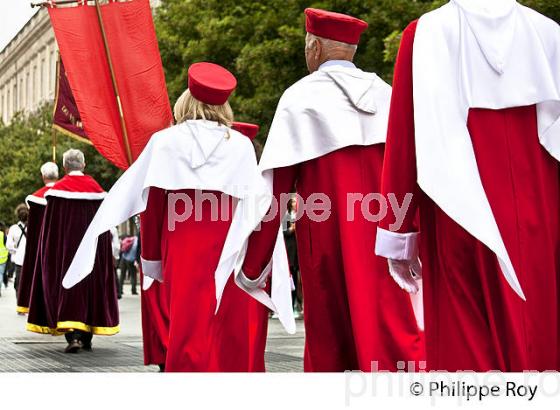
(406, 273)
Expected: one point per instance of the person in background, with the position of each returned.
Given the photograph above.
(129, 258)
(16, 241)
(116, 248)
(4, 253)
(92, 307)
(36, 203)
(289, 228)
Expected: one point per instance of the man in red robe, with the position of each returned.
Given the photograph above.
(90, 307)
(491, 274)
(36, 203)
(327, 137)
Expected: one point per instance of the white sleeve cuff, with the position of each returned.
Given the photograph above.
(152, 269)
(398, 246)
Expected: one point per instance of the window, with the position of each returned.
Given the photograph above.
(52, 69)
(21, 96)
(34, 87)
(27, 89)
(42, 83)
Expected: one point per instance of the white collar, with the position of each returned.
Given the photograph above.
(343, 63)
(49, 184)
(76, 173)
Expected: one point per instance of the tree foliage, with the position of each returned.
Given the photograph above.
(262, 43)
(27, 144)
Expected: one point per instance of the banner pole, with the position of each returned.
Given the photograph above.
(114, 81)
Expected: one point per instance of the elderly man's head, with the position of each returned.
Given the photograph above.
(73, 160)
(49, 172)
(318, 50)
(330, 36)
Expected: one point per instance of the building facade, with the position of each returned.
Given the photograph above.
(28, 67)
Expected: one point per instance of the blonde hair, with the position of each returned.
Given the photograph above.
(189, 108)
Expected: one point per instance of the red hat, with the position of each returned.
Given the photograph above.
(210, 83)
(249, 130)
(334, 26)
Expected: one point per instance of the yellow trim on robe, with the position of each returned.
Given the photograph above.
(63, 327)
(40, 329)
(21, 309)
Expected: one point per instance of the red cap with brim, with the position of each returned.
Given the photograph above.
(210, 83)
(334, 26)
(249, 130)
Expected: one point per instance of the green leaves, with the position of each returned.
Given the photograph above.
(27, 144)
(262, 43)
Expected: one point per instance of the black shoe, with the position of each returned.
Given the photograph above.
(72, 347)
(87, 347)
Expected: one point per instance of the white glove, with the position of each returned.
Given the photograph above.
(406, 273)
(259, 282)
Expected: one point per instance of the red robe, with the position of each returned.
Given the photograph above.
(155, 300)
(34, 225)
(244, 320)
(473, 319)
(155, 322)
(90, 306)
(354, 313)
(198, 339)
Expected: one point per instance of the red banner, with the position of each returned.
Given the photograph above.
(66, 117)
(133, 48)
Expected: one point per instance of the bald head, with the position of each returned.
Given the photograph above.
(319, 50)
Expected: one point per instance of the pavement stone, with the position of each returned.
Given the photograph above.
(23, 351)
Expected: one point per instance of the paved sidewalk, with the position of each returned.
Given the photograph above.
(23, 351)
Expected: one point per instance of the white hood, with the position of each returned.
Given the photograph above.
(493, 25)
(360, 88)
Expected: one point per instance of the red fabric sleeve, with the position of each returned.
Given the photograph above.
(261, 243)
(399, 166)
(151, 224)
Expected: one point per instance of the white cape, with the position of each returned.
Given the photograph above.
(479, 54)
(333, 108)
(193, 155)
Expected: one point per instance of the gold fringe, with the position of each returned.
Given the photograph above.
(64, 327)
(21, 309)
